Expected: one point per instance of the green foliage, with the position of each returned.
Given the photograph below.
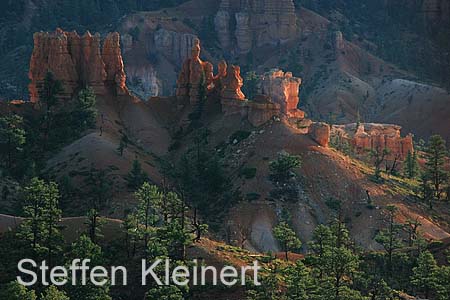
(149, 198)
(82, 249)
(443, 283)
(270, 288)
(287, 238)
(341, 144)
(16, 291)
(52, 293)
(248, 173)
(299, 282)
(250, 89)
(94, 224)
(281, 168)
(41, 229)
(12, 138)
(100, 188)
(389, 237)
(435, 165)
(378, 155)
(203, 179)
(239, 136)
(136, 177)
(170, 292)
(411, 165)
(424, 277)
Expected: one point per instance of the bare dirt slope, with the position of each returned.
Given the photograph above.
(325, 175)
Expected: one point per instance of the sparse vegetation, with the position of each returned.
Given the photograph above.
(282, 168)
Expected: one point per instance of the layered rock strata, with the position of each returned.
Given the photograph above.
(77, 62)
(283, 89)
(255, 23)
(194, 73)
(369, 136)
(232, 83)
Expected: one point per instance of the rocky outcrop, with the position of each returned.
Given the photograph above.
(255, 22)
(369, 136)
(77, 62)
(283, 89)
(194, 73)
(243, 32)
(320, 132)
(256, 113)
(112, 58)
(222, 25)
(232, 83)
(176, 46)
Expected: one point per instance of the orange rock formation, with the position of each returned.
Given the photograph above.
(193, 71)
(376, 136)
(283, 89)
(320, 132)
(77, 62)
(232, 83)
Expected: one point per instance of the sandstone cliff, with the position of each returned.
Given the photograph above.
(256, 23)
(77, 62)
(283, 88)
(369, 136)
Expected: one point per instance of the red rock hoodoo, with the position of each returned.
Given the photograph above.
(77, 62)
(232, 83)
(193, 71)
(371, 136)
(283, 88)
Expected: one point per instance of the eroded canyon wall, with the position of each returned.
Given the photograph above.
(77, 61)
(255, 23)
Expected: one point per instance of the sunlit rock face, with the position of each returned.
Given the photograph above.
(283, 88)
(320, 132)
(232, 84)
(194, 73)
(77, 61)
(255, 23)
(369, 136)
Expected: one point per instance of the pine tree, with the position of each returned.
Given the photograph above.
(149, 198)
(424, 274)
(443, 283)
(41, 227)
(299, 282)
(52, 293)
(170, 292)
(85, 113)
(435, 164)
(94, 223)
(287, 238)
(281, 168)
(136, 177)
(49, 97)
(12, 138)
(378, 157)
(388, 237)
(82, 249)
(16, 291)
(411, 166)
(339, 266)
